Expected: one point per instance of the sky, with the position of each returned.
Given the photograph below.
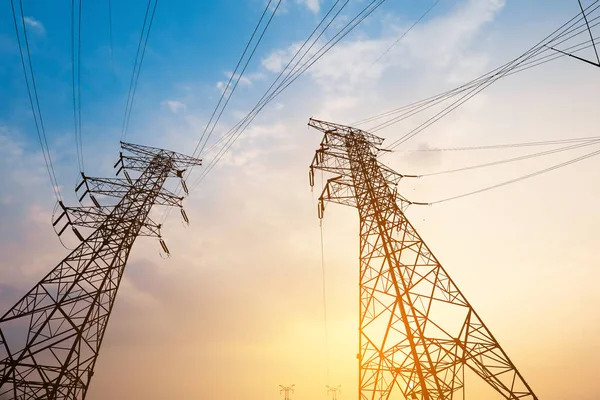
(238, 308)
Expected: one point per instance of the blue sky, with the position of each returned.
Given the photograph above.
(193, 45)
(243, 285)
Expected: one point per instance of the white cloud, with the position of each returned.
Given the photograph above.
(244, 80)
(441, 43)
(35, 25)
(275, 61)
(174, 105)
(312, 5)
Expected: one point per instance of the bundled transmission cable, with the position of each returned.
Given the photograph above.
(226, 94)
(110, 37)
(293, 74)
(505, 146)
(237, 77)
(422, 105)
(535, 50)
(523, 62)
(76, 10)
(291, 70)
(137, 66)
(239, 128)
(521, 178)
(419, 106)
(34, 102)
(514, 159)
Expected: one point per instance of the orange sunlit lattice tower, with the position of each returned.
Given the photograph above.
(50, 339)
(417, 331)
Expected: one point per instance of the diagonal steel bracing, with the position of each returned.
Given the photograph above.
(417, 331)
(50, 339)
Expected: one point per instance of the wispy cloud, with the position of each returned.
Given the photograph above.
(174, 105)
(244, 80)
(35, 25)
(312, 5)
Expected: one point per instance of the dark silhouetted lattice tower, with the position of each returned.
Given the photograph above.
(417, 331)
(50, 339)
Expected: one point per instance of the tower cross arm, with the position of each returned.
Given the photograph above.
(118, 187)
(146, 152)
(94, 217)
(333, 129)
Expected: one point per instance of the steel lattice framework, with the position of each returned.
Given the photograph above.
(50, 339)
(417, 331)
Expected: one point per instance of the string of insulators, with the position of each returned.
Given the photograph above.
(184, 186)
(184, 216)
(127, 177)
(311, 177)
(164, 246)
(321, 208)
(95, 201)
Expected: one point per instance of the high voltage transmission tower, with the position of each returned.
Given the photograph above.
(50, 339)
(286, 390)
(334, 391)
(417, 331)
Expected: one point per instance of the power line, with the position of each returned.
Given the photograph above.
(521, 178)
(238, 77)
(326, 326)
(506, 145)
(137, 66)
(76, 79)
(285, 69)
(407, 31)
(244, 69)
(110, 35)
(513, 159)
(589, 31)
(235, 132)
(237, 129)
(233, 75)
(488, 81)
(35, 105)
(422, 105)
(527, 60)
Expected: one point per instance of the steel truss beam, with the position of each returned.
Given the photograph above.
(417, 331)
(50, 339)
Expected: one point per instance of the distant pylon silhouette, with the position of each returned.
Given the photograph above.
(334, 391)
(50, 339)
(286, 390)
(417, 331)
